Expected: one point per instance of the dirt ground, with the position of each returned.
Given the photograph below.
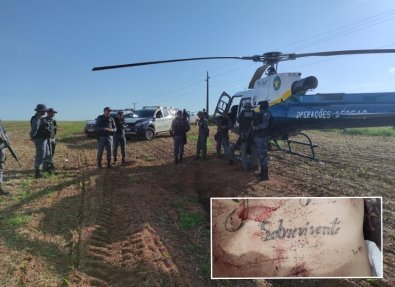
(147, 223)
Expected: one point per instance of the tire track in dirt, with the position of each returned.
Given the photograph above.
(120, 247)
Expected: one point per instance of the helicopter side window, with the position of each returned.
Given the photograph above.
(165, 113)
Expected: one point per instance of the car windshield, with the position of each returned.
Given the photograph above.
(143, 113)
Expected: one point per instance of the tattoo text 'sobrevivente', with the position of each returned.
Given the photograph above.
(282, 232)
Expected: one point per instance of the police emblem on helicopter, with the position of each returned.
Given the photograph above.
(277, 83)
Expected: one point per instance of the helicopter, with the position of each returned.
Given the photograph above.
(292, 108)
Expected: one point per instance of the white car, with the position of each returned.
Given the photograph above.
(149, 122)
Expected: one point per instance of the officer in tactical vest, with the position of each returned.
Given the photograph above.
(120, 137)
(39, 134)
(247, 146)
(105, 128)
(179, 128)
(53, 127)
(222, 135)
(261, 137)
(202, 136)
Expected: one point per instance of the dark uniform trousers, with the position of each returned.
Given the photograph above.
(119, 140)
(261, 139)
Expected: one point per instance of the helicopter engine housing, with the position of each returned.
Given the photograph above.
(303, 85)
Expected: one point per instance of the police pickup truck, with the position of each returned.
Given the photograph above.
(150, 121)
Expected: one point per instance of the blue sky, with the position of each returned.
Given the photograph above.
(48, 49)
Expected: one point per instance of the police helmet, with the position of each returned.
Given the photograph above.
(41, 108)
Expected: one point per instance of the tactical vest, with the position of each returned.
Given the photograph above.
(43, 130)
(121, 126)
(245, 120)
(180, 127)
(52, 127)
(263, 120)
(103, 122)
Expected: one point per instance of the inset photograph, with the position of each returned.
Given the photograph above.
(315, 237)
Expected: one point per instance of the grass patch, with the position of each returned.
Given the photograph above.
(18, 220)
(376, 131)
(69, 129)
(192, 137)
(189, 220)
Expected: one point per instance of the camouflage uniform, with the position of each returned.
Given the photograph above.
(261, 137)
(39, 133)
(104, 137)
(222, 136)
(202, 137)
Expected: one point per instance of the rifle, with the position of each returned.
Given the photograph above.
(5, 142)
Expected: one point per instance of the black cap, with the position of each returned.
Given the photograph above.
(41, 108)
(52, 110)
(107, 109)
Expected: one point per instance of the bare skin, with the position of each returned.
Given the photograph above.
(289, 238)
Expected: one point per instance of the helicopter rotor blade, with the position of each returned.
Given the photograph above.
(169, 61)
(257, 75)
(337, 53)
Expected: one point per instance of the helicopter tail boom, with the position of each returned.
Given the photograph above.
(332, 111)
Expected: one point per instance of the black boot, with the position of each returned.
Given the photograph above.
(46, 168)
(99, 164)
(109, 164)
(37, 174)
(266, 174)
(2, 191)
(176, 160)
(115, 159)
(124, 161)
(263, 175)
(180, 160)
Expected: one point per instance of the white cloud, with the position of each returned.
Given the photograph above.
(392, 70)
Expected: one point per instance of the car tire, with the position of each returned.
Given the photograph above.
(149, 134)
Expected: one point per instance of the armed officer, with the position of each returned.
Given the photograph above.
(53, 128)
(247, 146)
(120, 137)
(201, 147)
(105, 128)
(39, 134)
(261, 137)
(222, 135)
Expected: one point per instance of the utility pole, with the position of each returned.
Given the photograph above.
(207, 94)
(134, 106)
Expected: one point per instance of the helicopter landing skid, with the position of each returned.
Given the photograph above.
(289, 143)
